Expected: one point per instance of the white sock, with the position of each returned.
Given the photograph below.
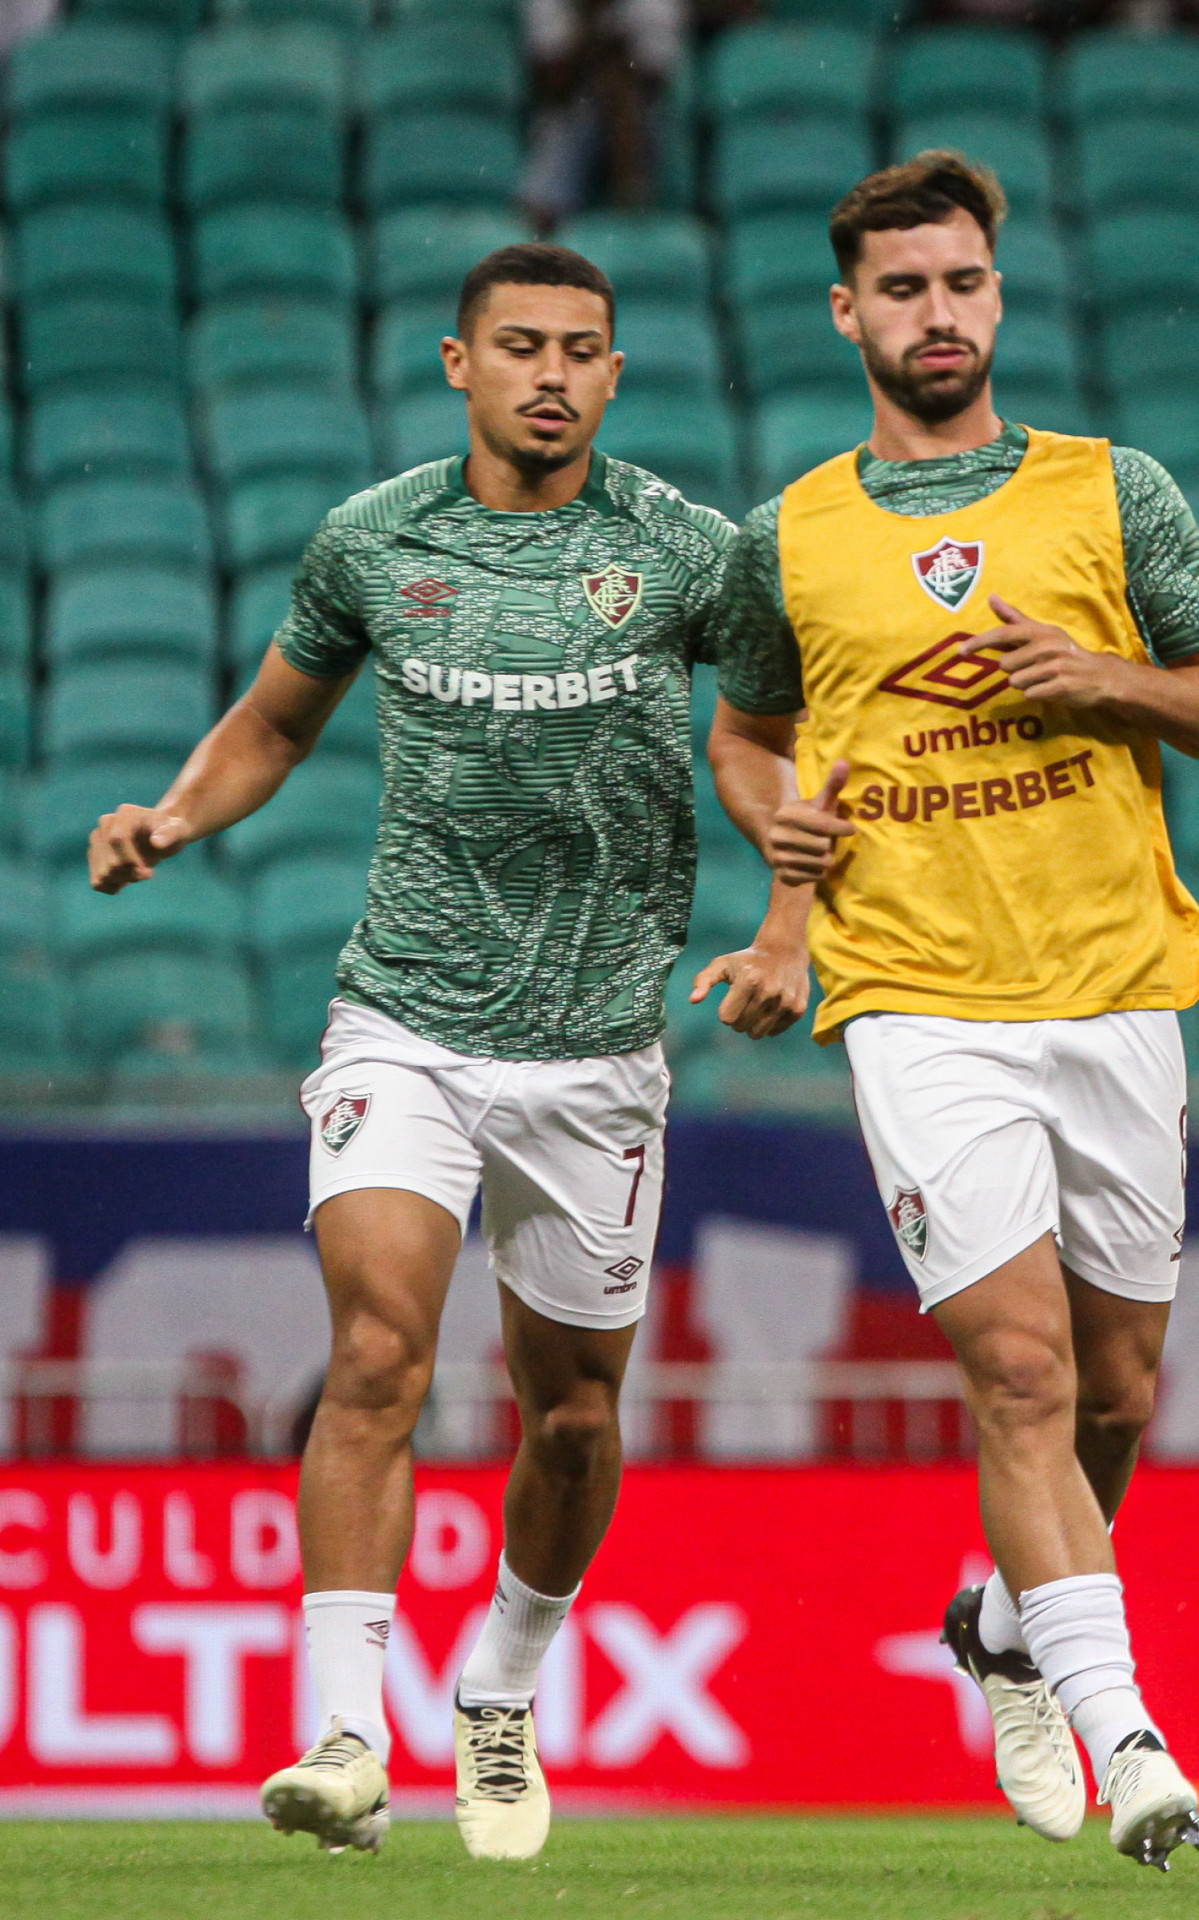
(347, 1643)
(999, 1619)
(501, 1669)
(1077, 1635)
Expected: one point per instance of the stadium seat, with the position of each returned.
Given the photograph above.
(761, 164)
(279, 153)
(242, 343)
(764, 70)
(89, 64)
(732, 886)
(181, 1002)
(87, 153)
(792, 433)
(88, 340)
(789, 343)
(346, 17)
(160, 522)
(292, 251)
(16, 627)
(867, 15)
(1165, 424)
(430, 65)
(948, 69)
(1037, 350)
(1130, 252)
(1150, 346)
(24, 908)
(301, 913)
(668, 350)
(1032, 260)
(12, 789)
(175, 17)
(414, 158)
(114, 251)
(271, 520)
(404, 351)
(15, 717)
(113, 429)
(328, 805)
(1018, 153)
(1154, 163)
(14, 536)
(423, 426)
(775, 254)
(93, 711)
(6, 441)
(129, 611)
(284, 430)
(1036, 406)
(64, 803)
(257, 609)
(693, 447)
(647, 256)
(186, 909)
(1106, 75)
(32, 1026)
(425, 253)
(269, 66)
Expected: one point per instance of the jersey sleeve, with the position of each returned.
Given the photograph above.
(757, 652)
(711, 537)
(1161, 556)
(324, 634)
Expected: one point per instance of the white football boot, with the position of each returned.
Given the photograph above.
(1153, 1803)
(503, 1803)
(1036, 1759)
(338, 1791)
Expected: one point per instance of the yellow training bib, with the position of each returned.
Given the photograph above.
(1011, 860)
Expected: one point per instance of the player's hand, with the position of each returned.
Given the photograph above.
(803, 841)
(768, 989)
(1044, 663)
(128, 845)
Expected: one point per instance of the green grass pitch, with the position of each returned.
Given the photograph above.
(744, 1869)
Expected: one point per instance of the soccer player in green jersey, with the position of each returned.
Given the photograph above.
(533, 612)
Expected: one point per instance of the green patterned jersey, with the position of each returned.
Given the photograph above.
(531, 884)
(759, 669)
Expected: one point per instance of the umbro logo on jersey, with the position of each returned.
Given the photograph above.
(433, 598)
(949, 571)
(946, 677)
(341, 1120)
(614, 594)
(909, 1220)
(623, 1272)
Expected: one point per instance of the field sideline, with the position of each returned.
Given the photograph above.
(746, 1869)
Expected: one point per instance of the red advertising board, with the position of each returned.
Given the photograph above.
(753, 1637)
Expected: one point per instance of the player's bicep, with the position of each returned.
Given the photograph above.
(294, 704)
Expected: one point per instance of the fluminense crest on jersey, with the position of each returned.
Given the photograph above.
(949, 571)
(614, 594)
(341, 1120)
(910, 1221)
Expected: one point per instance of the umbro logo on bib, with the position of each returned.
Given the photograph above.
(341, 1120)
(614, 594)
(949, 571)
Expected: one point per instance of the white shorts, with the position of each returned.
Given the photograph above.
(985, 1134)
(569, 1153)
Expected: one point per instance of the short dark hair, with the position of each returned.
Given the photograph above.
(925, 189)
(532, 264)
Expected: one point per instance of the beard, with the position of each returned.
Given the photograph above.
(929, 397)
(532, 463)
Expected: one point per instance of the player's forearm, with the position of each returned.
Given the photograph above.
(235, 770)
(1162, 701)
(785, 926)
(753, 780)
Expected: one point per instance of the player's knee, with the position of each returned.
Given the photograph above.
(1020, 1380)
(1117, 1411)
(572, 1436)
(380, 1366)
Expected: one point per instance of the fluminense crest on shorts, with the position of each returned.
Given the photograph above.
(948, 572)
(341, 1120)
(614, 594)
(909, 1220)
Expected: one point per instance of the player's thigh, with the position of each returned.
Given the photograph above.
(387, 1257)
(554, 1365)
(572, 1185)
(962, 1158)
(1119, 1085)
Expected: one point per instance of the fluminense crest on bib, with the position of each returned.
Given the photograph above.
(948, 572)
(341, 1120)
(614, 594)
(907, 1216)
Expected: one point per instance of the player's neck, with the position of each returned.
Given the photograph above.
(505, 488)
(897, 436)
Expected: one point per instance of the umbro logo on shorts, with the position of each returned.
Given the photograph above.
(341, 1120)
(623, 1272)
(910, 1221)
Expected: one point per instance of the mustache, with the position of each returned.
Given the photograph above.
(551, 400)
(938, 338)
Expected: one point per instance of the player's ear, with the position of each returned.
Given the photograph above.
(845, 320)
(455, 358)
(615, 367)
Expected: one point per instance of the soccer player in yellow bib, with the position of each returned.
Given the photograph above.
(989, 630)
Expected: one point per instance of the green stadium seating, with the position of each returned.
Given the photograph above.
(88, 340)
(694, 447)
(295, 993)
(280, 251)
(1147, 256)
(186, 908)
(257, 609)
(16, 626)
(1150, 346)
(347, 17)
(790, 343)
(1019, 153)
(668, 350)
(113, 251)
(1153, 163)
(1035, 406)
(770, 69)
(731, 890)
(1165, 424)
(31, 1019)
(271, 520)
(404, 350)
(758, 164)
(176, 1002)
(284, 430)
(794, 432)
(87, 153)
(413, 158)
(422, 426)
(776, 254)
(242, 343)
(24, 908)
(175, 17)
(12, 788)
(466, 16)
(119, 612)
(864, 14)
(95, 711)
(328, 805)
(14, 538)
(425, 253)
(353, 727)
(15, 718)
(180, 1064)
(6, 440)
(1038, 351)
(948, 69)
(647, 256)
(248, 66)
(303, 903)
(111, 429)
(429, 66)
(89, 64)
(1032, 260)
(64, 803)
(1109, 74)
(287, 153)
(162, 522)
